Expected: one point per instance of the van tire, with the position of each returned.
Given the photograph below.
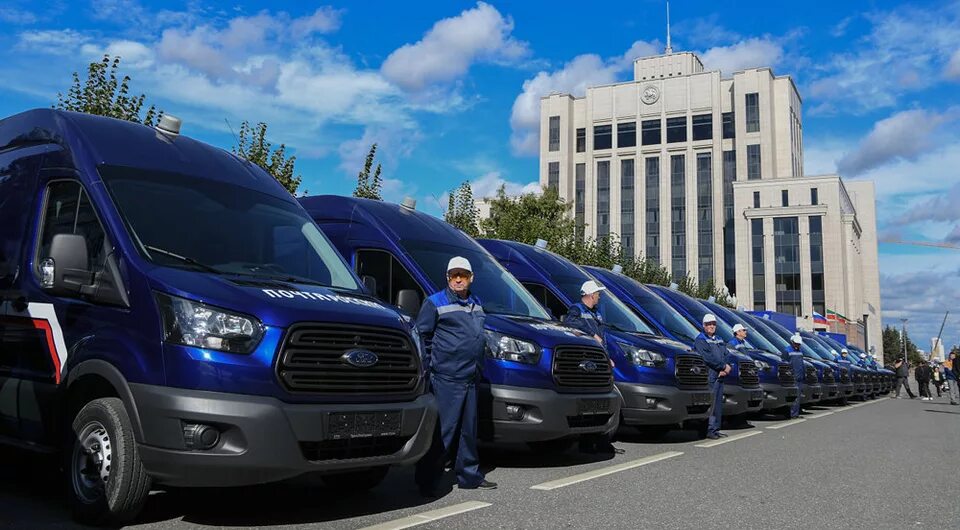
(106, 482)
(357, 481)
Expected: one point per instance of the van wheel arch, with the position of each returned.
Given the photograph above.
(96, 379)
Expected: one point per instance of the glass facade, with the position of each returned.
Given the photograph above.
(602, 136)
(753, 162)
(729, 234)
(652, 192)
(753, 112)
(650, 132)
(757, 265)
(678, 216)
(553, 175)
(816, 264)
(581, 140)
(626, 206)
(554, 133)
(627, 134)
(729, 126)
(702, 125)
(676, 129)
(786, 250)
(603, 198)
(704, 217)
(580, 189)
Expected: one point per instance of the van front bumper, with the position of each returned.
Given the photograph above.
(512, 414)
(738, 400)
(777, 396)
(262, 439)
(661, 404)
(810, 394)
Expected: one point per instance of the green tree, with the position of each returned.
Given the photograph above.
(461, 210)
(369, 186)
(529, 217)
(252, 145)
(104, 93)
(893, 342)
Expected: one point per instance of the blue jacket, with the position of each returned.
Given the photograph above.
(714, 353)
(795, 358)
(737, 344)
(453, 336)
(585, 319)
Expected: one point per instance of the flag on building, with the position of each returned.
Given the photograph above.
(819, 319)
(836, 317)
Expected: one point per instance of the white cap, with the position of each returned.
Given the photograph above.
(844, 350)
(863, 355)
(796, 339)
(739, 327)
(458, 262)
(590, 287)
(709, 318)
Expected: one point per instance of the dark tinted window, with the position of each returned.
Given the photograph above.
(753, 162)
(602, 137)
(581, 140)
(68, 211)
(753, 112)
(676, 129)
(627, 134)
(650, 133)
(554, 143)
(729, 127)
(702, 125)
(389, 274)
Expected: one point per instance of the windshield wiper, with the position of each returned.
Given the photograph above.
(184, 259)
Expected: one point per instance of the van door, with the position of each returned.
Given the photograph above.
(388, 273)
(547, 299)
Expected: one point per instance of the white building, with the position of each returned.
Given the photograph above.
(670, 163)
(936, 350)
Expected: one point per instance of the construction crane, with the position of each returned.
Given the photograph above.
(921, 243)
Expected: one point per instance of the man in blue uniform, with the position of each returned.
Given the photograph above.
(846, 362)
(795, 358)
(451, 325)
(739, 340)
(714, 353)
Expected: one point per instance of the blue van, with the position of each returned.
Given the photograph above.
(859, 373)
(741, 389)
(542, 383)
(663, 383)
(841, 370)
(809, 382)
(171, 315)
(776, 377)
(824, 373)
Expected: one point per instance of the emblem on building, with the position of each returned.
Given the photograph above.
(650, 94)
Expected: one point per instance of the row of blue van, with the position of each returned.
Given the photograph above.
(170, 315)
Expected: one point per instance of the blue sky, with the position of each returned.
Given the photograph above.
(450, 91)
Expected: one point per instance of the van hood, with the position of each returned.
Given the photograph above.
(273, 302)
(546, 333)
(662, 345)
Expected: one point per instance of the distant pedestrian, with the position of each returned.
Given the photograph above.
(950, 374)
(903, 377)
(714, 353)
(923, 374)
(937, 378)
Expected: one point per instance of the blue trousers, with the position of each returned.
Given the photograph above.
(795, 406)
(715, 415)
(457, 431)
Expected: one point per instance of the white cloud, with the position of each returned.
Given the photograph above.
(54, 42)
(323, 20)
(904, 135)
(953, 67)
(749, 53)
(488, 184)
(451, 46)
(393, 143)
(13, 15)
(133, 54)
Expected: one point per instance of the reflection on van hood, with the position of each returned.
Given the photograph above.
(664, 346)
(546, 333)
(275, 303)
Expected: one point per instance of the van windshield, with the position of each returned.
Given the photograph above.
(615, 314)
(697, 311)
(498, 291)
(754, 339)
(200, 224)
(659, 310)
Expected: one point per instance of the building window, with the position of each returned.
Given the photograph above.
(753, 112)
(554, 133)
(580, 188)
(702, 125)
(786, 250)
(704, 217)
(814, 198)
(729, 127)
(676, 130)
(652, 175)
(627, 134)
(626, 206)
(756, 199)
(729, 239)
(650, 132)
(757, 266)
(581, 140)
(753, 162)
(602, 136)
(603, 198)
(816, 264)
(553, 175)
(678, 216)
(784, 198)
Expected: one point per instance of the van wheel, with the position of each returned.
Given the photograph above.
(106, 479)
(356, 481)
(552, 447)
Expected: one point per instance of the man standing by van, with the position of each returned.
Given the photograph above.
(451, 325)
(739, 340)
(584, 315)
(795, 358)
(714, 353)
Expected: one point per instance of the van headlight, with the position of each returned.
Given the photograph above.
(196, 324)
(505, 347)
(641, 357)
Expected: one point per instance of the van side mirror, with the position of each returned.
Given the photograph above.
(370, 283)
(64, 271)
(408, 300)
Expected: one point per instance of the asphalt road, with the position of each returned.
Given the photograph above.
(838, 468)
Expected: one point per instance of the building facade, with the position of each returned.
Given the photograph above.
(670, 163)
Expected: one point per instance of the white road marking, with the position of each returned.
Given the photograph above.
(787, 423)
(429, 517)
(604, 471)
(820, 415)
(728, 439)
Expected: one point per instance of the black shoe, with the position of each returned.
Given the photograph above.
(713, 436)
(483, 485)
(722, 434)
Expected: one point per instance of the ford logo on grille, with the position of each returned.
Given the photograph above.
(360, 358)
(696, 370)
(588, 366)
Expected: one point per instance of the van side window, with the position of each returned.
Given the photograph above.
(547, 299)
(389, 273)
(68, 211)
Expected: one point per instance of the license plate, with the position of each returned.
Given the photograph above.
(756, 395)
(593, 406)
(344, 425)
(702, 398)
